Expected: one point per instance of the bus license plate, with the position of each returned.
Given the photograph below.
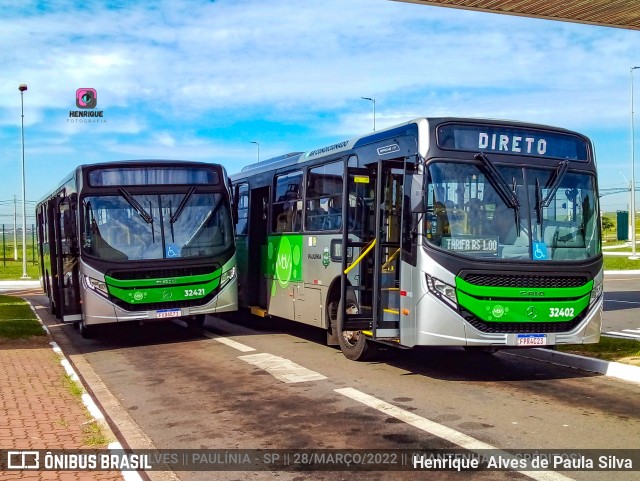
(531, 340)
(164, 313)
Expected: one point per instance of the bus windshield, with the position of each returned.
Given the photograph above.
(156, 226)
(535, 214)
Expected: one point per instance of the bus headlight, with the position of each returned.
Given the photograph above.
(596, 293)
(227, 276)
(442, 291)
(99, 287)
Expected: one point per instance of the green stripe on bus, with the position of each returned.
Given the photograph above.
(165, 293)
(162, 281)
(523, 293)
(500, 309)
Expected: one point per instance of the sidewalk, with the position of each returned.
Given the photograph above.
(39, 411)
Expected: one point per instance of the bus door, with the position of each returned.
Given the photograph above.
(64, 260)
(258, 225)
(371, 274)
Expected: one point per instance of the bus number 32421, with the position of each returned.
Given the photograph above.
(193, 292)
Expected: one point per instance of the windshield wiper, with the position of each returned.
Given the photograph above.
(500, 185)
(538, 203)
(554, 183)
(136, 205)
(498, 182)
(182, 205)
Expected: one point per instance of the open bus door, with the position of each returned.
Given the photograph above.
(258, 296)
(64, 254)
(370, 287)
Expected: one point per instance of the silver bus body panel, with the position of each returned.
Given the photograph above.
(103, 311)
(304, 301)
(437, 324)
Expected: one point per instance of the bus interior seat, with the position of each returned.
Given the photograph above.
(566, 241)
(281, 222)
(118, 235)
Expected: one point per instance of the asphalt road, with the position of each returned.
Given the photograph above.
(622, 305)
(259, 383)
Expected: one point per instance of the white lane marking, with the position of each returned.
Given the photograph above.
(443, 432)
(282, 369)
(621, 302)
(229, 342)
(222, 340)
(234, 344)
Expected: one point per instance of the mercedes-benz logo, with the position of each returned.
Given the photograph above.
(532, 312)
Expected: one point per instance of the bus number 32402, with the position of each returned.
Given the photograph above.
(193, 292)
(556, 312)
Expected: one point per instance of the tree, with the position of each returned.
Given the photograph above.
(607, 224)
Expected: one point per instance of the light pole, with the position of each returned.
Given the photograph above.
(626, 181)
(374, 110)
(22, 88)
(633, 178)
(258, 146)
(15, 229)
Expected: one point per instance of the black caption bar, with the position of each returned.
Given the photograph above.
(319, 460)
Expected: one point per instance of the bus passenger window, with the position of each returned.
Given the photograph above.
(287, 205)
(323, 197)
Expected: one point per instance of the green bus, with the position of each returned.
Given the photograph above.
(138, 241)
(483, 234)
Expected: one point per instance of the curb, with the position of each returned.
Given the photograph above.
(622, 273)
(87, 400)
(618, 370)
(19, 284)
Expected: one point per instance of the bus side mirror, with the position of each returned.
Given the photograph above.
(234, 214)
(234, 205)
(417, 194)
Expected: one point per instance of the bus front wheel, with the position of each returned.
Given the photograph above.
(196, 320)
(85, 331)
(354, 344)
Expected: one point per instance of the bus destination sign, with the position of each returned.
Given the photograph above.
(511, 140)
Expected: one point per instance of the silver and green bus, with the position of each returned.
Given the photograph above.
(138, 241)
(483, 234)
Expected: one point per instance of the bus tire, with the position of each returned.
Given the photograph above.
(486, 350)
(354, 344)
(332, 331)
(197, 320)
(85, 331)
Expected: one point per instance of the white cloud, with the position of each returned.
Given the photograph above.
(177, 76)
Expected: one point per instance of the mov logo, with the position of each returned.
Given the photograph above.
(86, 98)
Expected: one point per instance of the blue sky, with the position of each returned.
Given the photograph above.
(200, 80)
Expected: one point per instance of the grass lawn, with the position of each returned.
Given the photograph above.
(626, 351)
(13, 270)
(17, 320)
(620, 263)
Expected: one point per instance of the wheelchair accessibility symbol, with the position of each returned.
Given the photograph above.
(540, 251)
(172, 250)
